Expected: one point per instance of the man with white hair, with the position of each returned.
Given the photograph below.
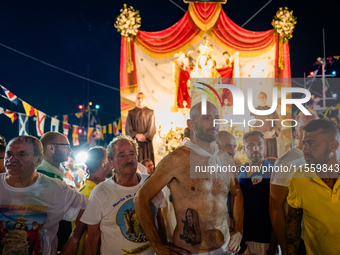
(110, 214)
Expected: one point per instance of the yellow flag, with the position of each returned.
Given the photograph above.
(79, 114)
(30, 111)
(119, 126)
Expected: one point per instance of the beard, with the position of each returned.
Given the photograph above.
(61, 156)
(207, 135)
(256, 156)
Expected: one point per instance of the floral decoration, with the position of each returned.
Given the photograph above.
(171, 141)
(284, 23)
(128, 22)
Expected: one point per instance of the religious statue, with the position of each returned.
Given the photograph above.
(140, 124)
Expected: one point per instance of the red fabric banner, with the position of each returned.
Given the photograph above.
(241, 39)
(169, 40)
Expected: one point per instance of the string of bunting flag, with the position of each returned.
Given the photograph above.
(99, 132)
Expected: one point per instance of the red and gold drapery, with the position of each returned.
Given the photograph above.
(199, 19)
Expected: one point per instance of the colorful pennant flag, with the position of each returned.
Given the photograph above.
(11, 115)
(30, 111)
(115, 129)
(54, 125)
(109, 131)
(104, 133)
(66, 127)
(65, 118)
(90, 135)
(13, 98)
(75, 135)
(119, 124)
(326, 85)
(79, 114)
(40, 123)
(23, 124)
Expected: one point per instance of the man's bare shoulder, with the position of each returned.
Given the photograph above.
(178, 154)
(176, 160)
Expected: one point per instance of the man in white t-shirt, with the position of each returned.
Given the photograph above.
(283, 169)
(110, 213)
(35, 202)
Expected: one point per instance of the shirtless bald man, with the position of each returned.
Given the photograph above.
(200, 203)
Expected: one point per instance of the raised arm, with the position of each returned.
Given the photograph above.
(293, 230)
(163, 174)
(238, 213)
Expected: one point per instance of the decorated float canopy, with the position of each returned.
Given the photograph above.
(159, 63)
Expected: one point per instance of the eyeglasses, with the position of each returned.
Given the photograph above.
(2, 158)
(62, 144)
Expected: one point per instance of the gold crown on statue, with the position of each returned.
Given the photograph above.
(206, 49)
(21, 220)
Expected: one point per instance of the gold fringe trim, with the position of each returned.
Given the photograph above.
(131, 89)
(129, 62)
(242, 52)
(161, 55)
(199, 23)
(127, 101)
(281, 84)
(176, 70)
(280, 64)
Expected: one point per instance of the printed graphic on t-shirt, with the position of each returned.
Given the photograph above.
(21, 229)
(129, 224)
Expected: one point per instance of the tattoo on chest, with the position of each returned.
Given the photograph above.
(191, 229)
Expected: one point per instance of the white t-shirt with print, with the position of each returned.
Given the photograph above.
(46, 202)
(111, 205)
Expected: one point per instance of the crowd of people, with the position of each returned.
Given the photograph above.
(123, 204)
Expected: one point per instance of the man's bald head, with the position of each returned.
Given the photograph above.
(50, 138)
(226, 142)
(303, 120)
(56, 148)
(203, 125)
(196, 110)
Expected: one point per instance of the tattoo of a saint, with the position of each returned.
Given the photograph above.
(191, 229)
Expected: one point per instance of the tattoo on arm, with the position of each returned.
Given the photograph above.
(191, 229)
(293, 230)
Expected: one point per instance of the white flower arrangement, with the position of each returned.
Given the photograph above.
(170, 141)
(284, 23)
(128, 22)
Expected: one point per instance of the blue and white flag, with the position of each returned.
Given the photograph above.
(54, 125)
(23, 124)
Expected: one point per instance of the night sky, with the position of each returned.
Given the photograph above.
(80, 37)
